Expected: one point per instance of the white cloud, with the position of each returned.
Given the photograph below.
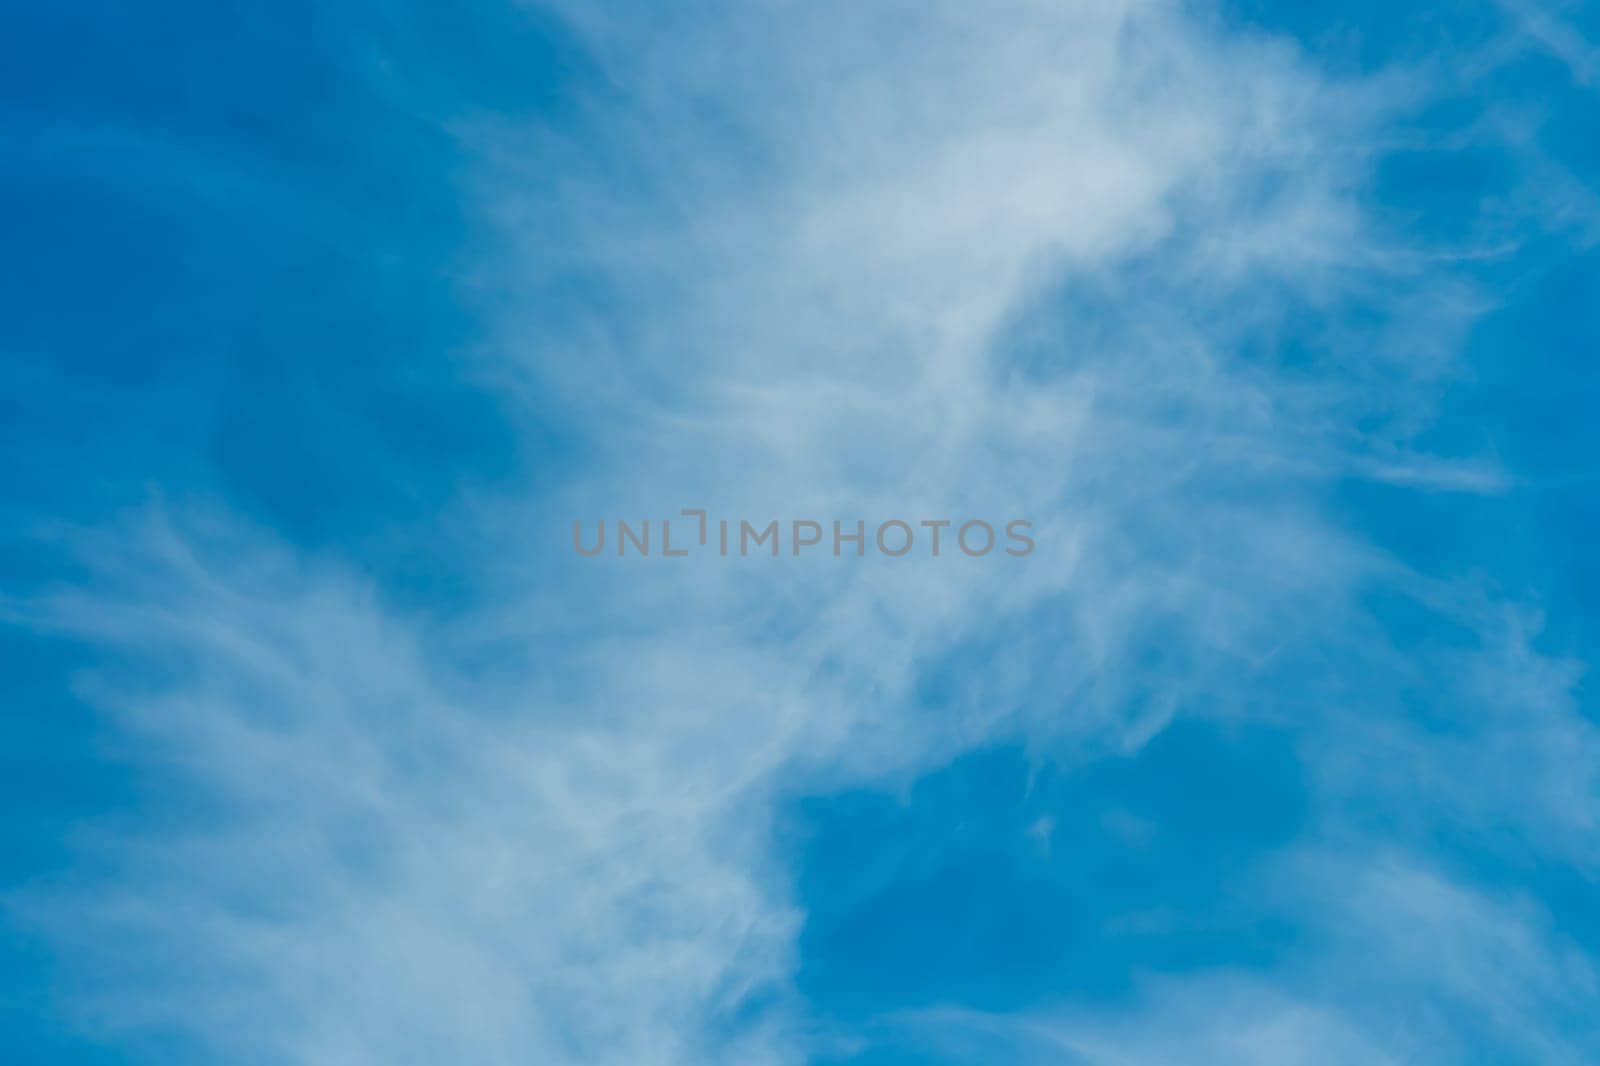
(816, 241)
(1401, 965)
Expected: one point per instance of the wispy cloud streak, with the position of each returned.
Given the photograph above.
(826, 260)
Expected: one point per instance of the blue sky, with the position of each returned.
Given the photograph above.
(323, 323)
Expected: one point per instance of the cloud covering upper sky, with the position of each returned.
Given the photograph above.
(326, 322)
